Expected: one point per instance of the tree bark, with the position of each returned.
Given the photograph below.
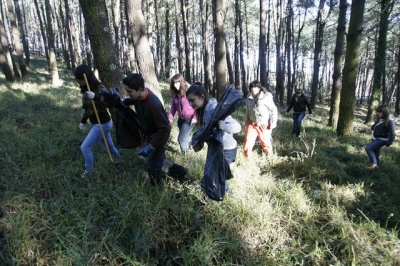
(5, 55)
(220, 64)
(346, 109)
(104, 53)
(337, 65)
(380, 59)
(55, 79)
(143, 53)
(17, 37)
(262, 60)
(187, 75)
(204, 14)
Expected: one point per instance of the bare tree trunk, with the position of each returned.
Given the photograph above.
(5, 55)
(143, 53)
(220, 64)
(167, 42)
(186, 41)
(262, 60)
(68, 26)
(242, 66)
(204, 14)
(42, 28)
(231, 76)
(55, 79)
(280, 89)
(104, 53)
(17, 38)
(337, 66)
(289, 41)
(178, 40)
(346, 109)
(380, 58)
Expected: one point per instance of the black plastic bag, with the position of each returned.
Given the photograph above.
(127, 127)
(216, 169)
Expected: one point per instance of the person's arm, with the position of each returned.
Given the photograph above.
(307, 102)
(172, 111)
(392, 132)
(229, 125)
(273, 112)
(290, 105)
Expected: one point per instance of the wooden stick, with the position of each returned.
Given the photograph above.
(98, 120)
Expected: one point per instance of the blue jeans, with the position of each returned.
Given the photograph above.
(95, 137)
(184, 133)
(297, 118)
(373, 150)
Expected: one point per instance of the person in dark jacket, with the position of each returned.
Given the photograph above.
(154, 123)
(383, 134)
(299, 102)
(95, 94)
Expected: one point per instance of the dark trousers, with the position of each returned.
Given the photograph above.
(297, 118)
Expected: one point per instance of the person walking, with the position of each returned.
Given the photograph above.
(261, 119)
(299, 102)
(383, 134)
(153, 121)
(187, 117)
(93, 93)
(205, 108)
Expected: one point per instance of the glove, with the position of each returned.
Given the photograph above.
(90, 94)
(193, 121)
(222, 125)
(82, 126)
(145, 151)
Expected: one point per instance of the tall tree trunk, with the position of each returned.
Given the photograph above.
(319, 35)
(231, 76)
(280, 88)
(179, 45)
(262, 60)
(289, 45)
(337, 65)
(167, 52)
(55, 79)
(242, 65)
(236, 52)
(346, 109)
(17, 38)
(186, 41)
(68, 26)
(143, 53)
(5, 54)
(220, 64)
(104, 53)
(42, 28)
(208, 81)
(380, 58)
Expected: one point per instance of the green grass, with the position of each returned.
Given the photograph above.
(313, 203)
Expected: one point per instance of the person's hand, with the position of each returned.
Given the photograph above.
(145, 151)
(193, 121)
(286, 112)
(81, 126)
(170, 121)
(90, 94)
(222, 125)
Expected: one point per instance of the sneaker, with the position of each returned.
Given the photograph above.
(372, 166)
(85, 174)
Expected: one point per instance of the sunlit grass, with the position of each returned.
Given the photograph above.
(312, 203)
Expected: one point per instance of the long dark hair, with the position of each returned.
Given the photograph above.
(182, 87)
(93, 82)
(198, 90)
(385, 113)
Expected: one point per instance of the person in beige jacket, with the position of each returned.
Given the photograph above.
(261, 118)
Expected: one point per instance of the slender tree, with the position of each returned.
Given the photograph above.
(186, 40)
(204, 14)
(347, 94)
(55, 79)
(380, 58)
(168, 57)
(220, 65)
(5, 54)
(262, 59)
(16, 33)
(337, 66)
